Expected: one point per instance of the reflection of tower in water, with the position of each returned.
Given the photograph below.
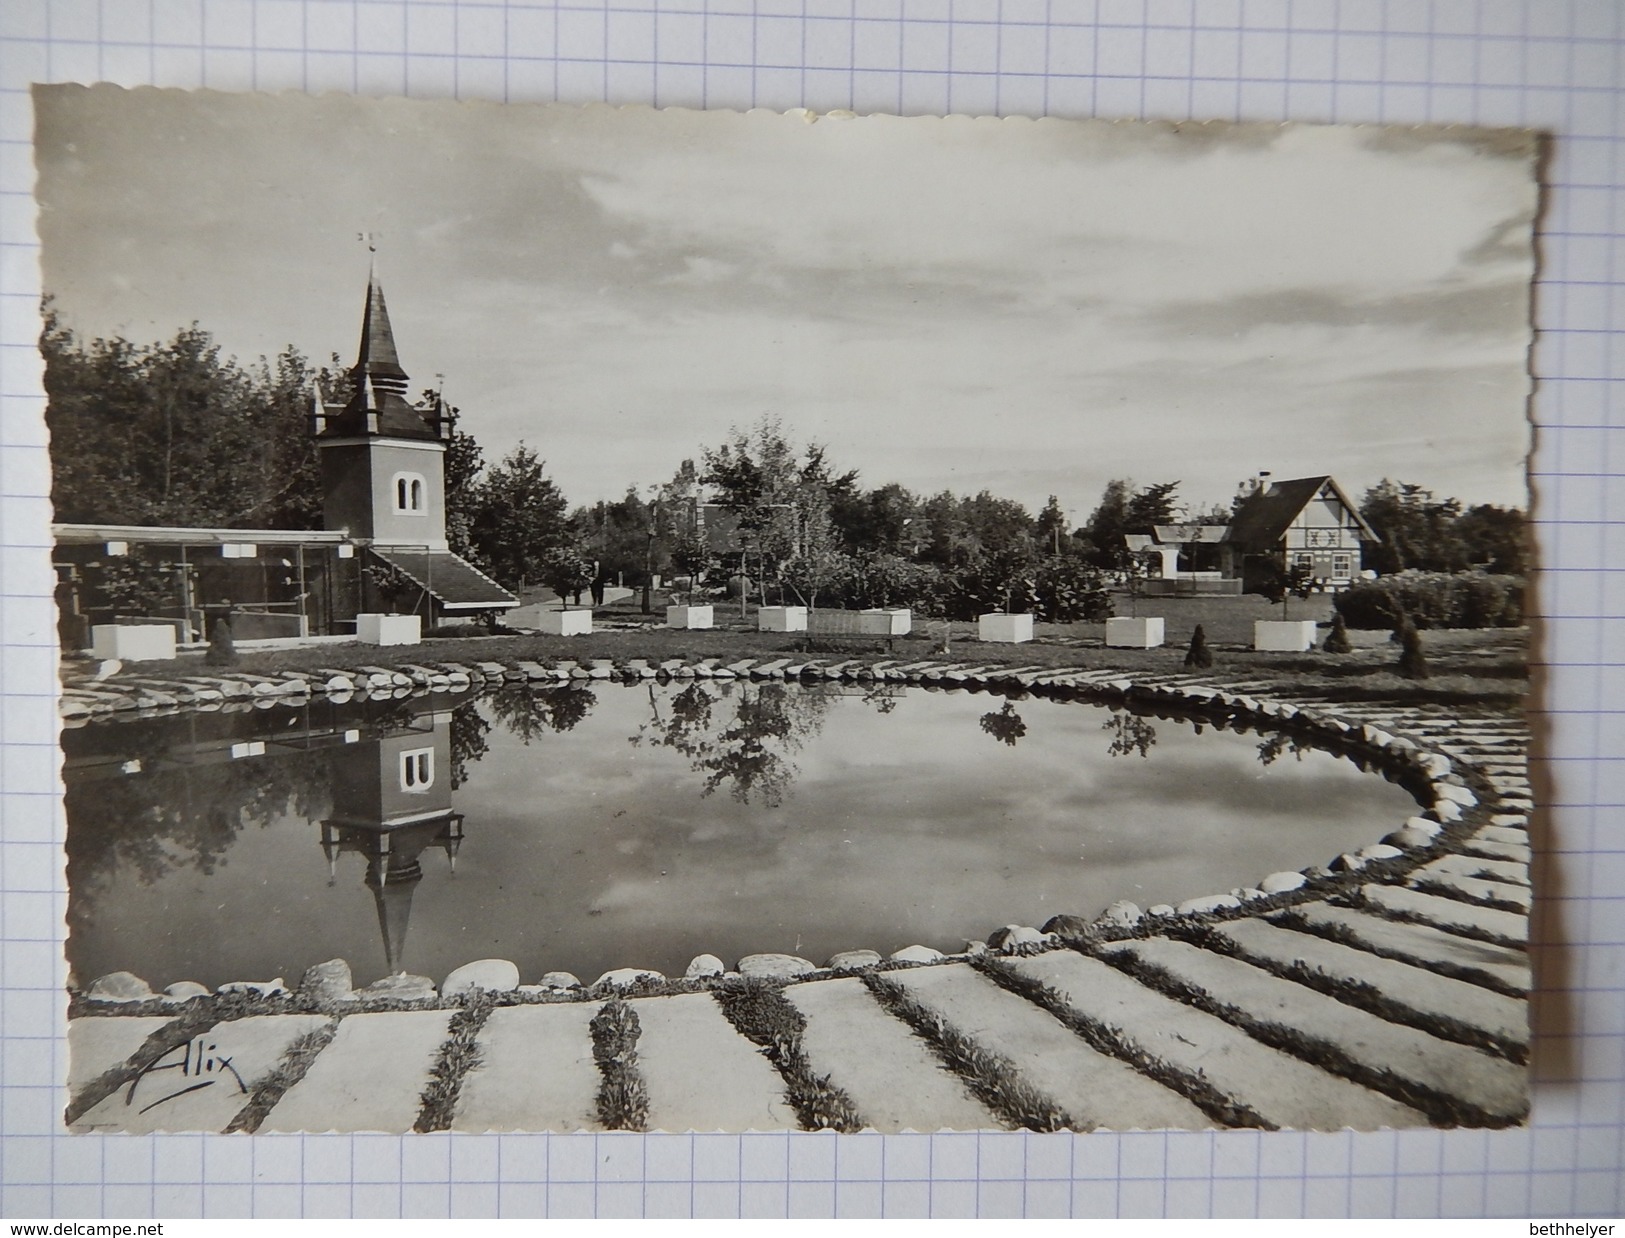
(391, 803)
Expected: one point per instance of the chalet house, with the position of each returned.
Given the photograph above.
(382, 547)
(1306, 523)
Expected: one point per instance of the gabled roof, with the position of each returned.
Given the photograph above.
(1189, 534)
(1263, 518)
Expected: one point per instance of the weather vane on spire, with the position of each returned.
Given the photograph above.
(371, 238)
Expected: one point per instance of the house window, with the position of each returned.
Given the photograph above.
(1304, 560)
(417, 770)
(409, 494)
(1342, 565)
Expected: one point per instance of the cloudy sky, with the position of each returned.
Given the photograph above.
(1032, 307)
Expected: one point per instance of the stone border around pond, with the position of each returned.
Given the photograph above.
(1450, 808)
(1403, 965)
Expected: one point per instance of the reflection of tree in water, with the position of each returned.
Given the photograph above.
(167, 817)
(1004, 725)
(746, 747)
(530, 713)
(1130, 733)
(1277, 745)
(467, 737)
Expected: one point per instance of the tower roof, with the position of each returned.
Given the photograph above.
(378, 404)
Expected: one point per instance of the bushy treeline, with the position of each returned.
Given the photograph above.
(1434, 600)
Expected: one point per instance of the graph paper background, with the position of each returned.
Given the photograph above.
(1549, 64)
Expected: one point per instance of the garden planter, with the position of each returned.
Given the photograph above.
(1127, 633)
(688, 616)
(781, 619)
(388, 629)
(135, 642)
(1284, 635)
(565, 622)
(1005, 629)
(882, 622)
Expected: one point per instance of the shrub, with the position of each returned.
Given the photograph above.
(222, 649)
(1434, 600)
(1337, 640)
(1068, 590)
(1412, 663)
(1199, 655)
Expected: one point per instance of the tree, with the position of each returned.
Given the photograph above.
(1413, 664)
(1050, 527)
(565, 572)
(1199, 655)
(1417, 530)
(1495, 539)
(1281, 584)
(1337, 640)
(1123, 510)
(518, 518)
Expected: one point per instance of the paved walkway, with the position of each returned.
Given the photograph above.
(1397, 1000)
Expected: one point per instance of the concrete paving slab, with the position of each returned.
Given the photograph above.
(1493, 1084)
(893, 1078)
(201, 1084)
(1516, 836)
(703, 1075)
(1277, 1086)
(1448, 913)
(1517, 852)
(1411, 987)
(1509, 871)
(1422, 944)
(1095, 1090)
(1473, 889)
(370, 1078)
(536, 1072)
(98, 1043)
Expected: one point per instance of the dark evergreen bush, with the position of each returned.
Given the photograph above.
(1412, 663)
(222, 649)
(1434, 600)
(1199, 655)
(1337, 640)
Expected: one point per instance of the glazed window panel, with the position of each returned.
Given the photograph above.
(409, 494)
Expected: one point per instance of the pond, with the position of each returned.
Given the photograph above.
(587, 828)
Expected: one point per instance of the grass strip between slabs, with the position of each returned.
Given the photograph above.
(1342, 935)
(1355, 900)
(1441, 1108)
(623, 1097)
(458, 1055)
(991, 1078)
(762, 1014)
(296, 1060)
(1438, 886)
(1110, 1041)
(1362, 995)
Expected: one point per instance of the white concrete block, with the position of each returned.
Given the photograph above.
(880, 621)
(389, 629)
(134, 642)
(781, 619)
(688, 616)
(1284, 635)
(565, 622)
(1005, 629)
(1129, 633)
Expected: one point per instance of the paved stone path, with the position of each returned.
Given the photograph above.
(1393, 999)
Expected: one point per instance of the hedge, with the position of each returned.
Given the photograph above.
(1434, 600)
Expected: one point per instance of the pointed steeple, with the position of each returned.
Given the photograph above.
(378, 363)
(379, 404)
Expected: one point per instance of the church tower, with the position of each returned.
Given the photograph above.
(384, 483)
(383, 459)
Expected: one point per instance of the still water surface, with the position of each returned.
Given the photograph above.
(583, 829)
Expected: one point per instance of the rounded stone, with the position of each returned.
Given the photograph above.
(974, 948)
(1408, 839)
(916, 954)
(399, 987)
(1423, 825)
(185, 991)
(1248, 893)
(775, 966)
(1380, 851)
(1450, 791)
(327, 982)
(559, 980)
(1121, 914)
(1012, 935)
(1348, 862)
(703, 965)
(481, 976)
(1282, 883)
(1067, 926)
(1447, 810)
(339, 683)
(1208, 903)
(257, 988)
(847, 960)
(623, 977)
(119, 986)
(1161, 909)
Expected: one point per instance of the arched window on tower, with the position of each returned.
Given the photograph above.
(417, 770)
(410, 494)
